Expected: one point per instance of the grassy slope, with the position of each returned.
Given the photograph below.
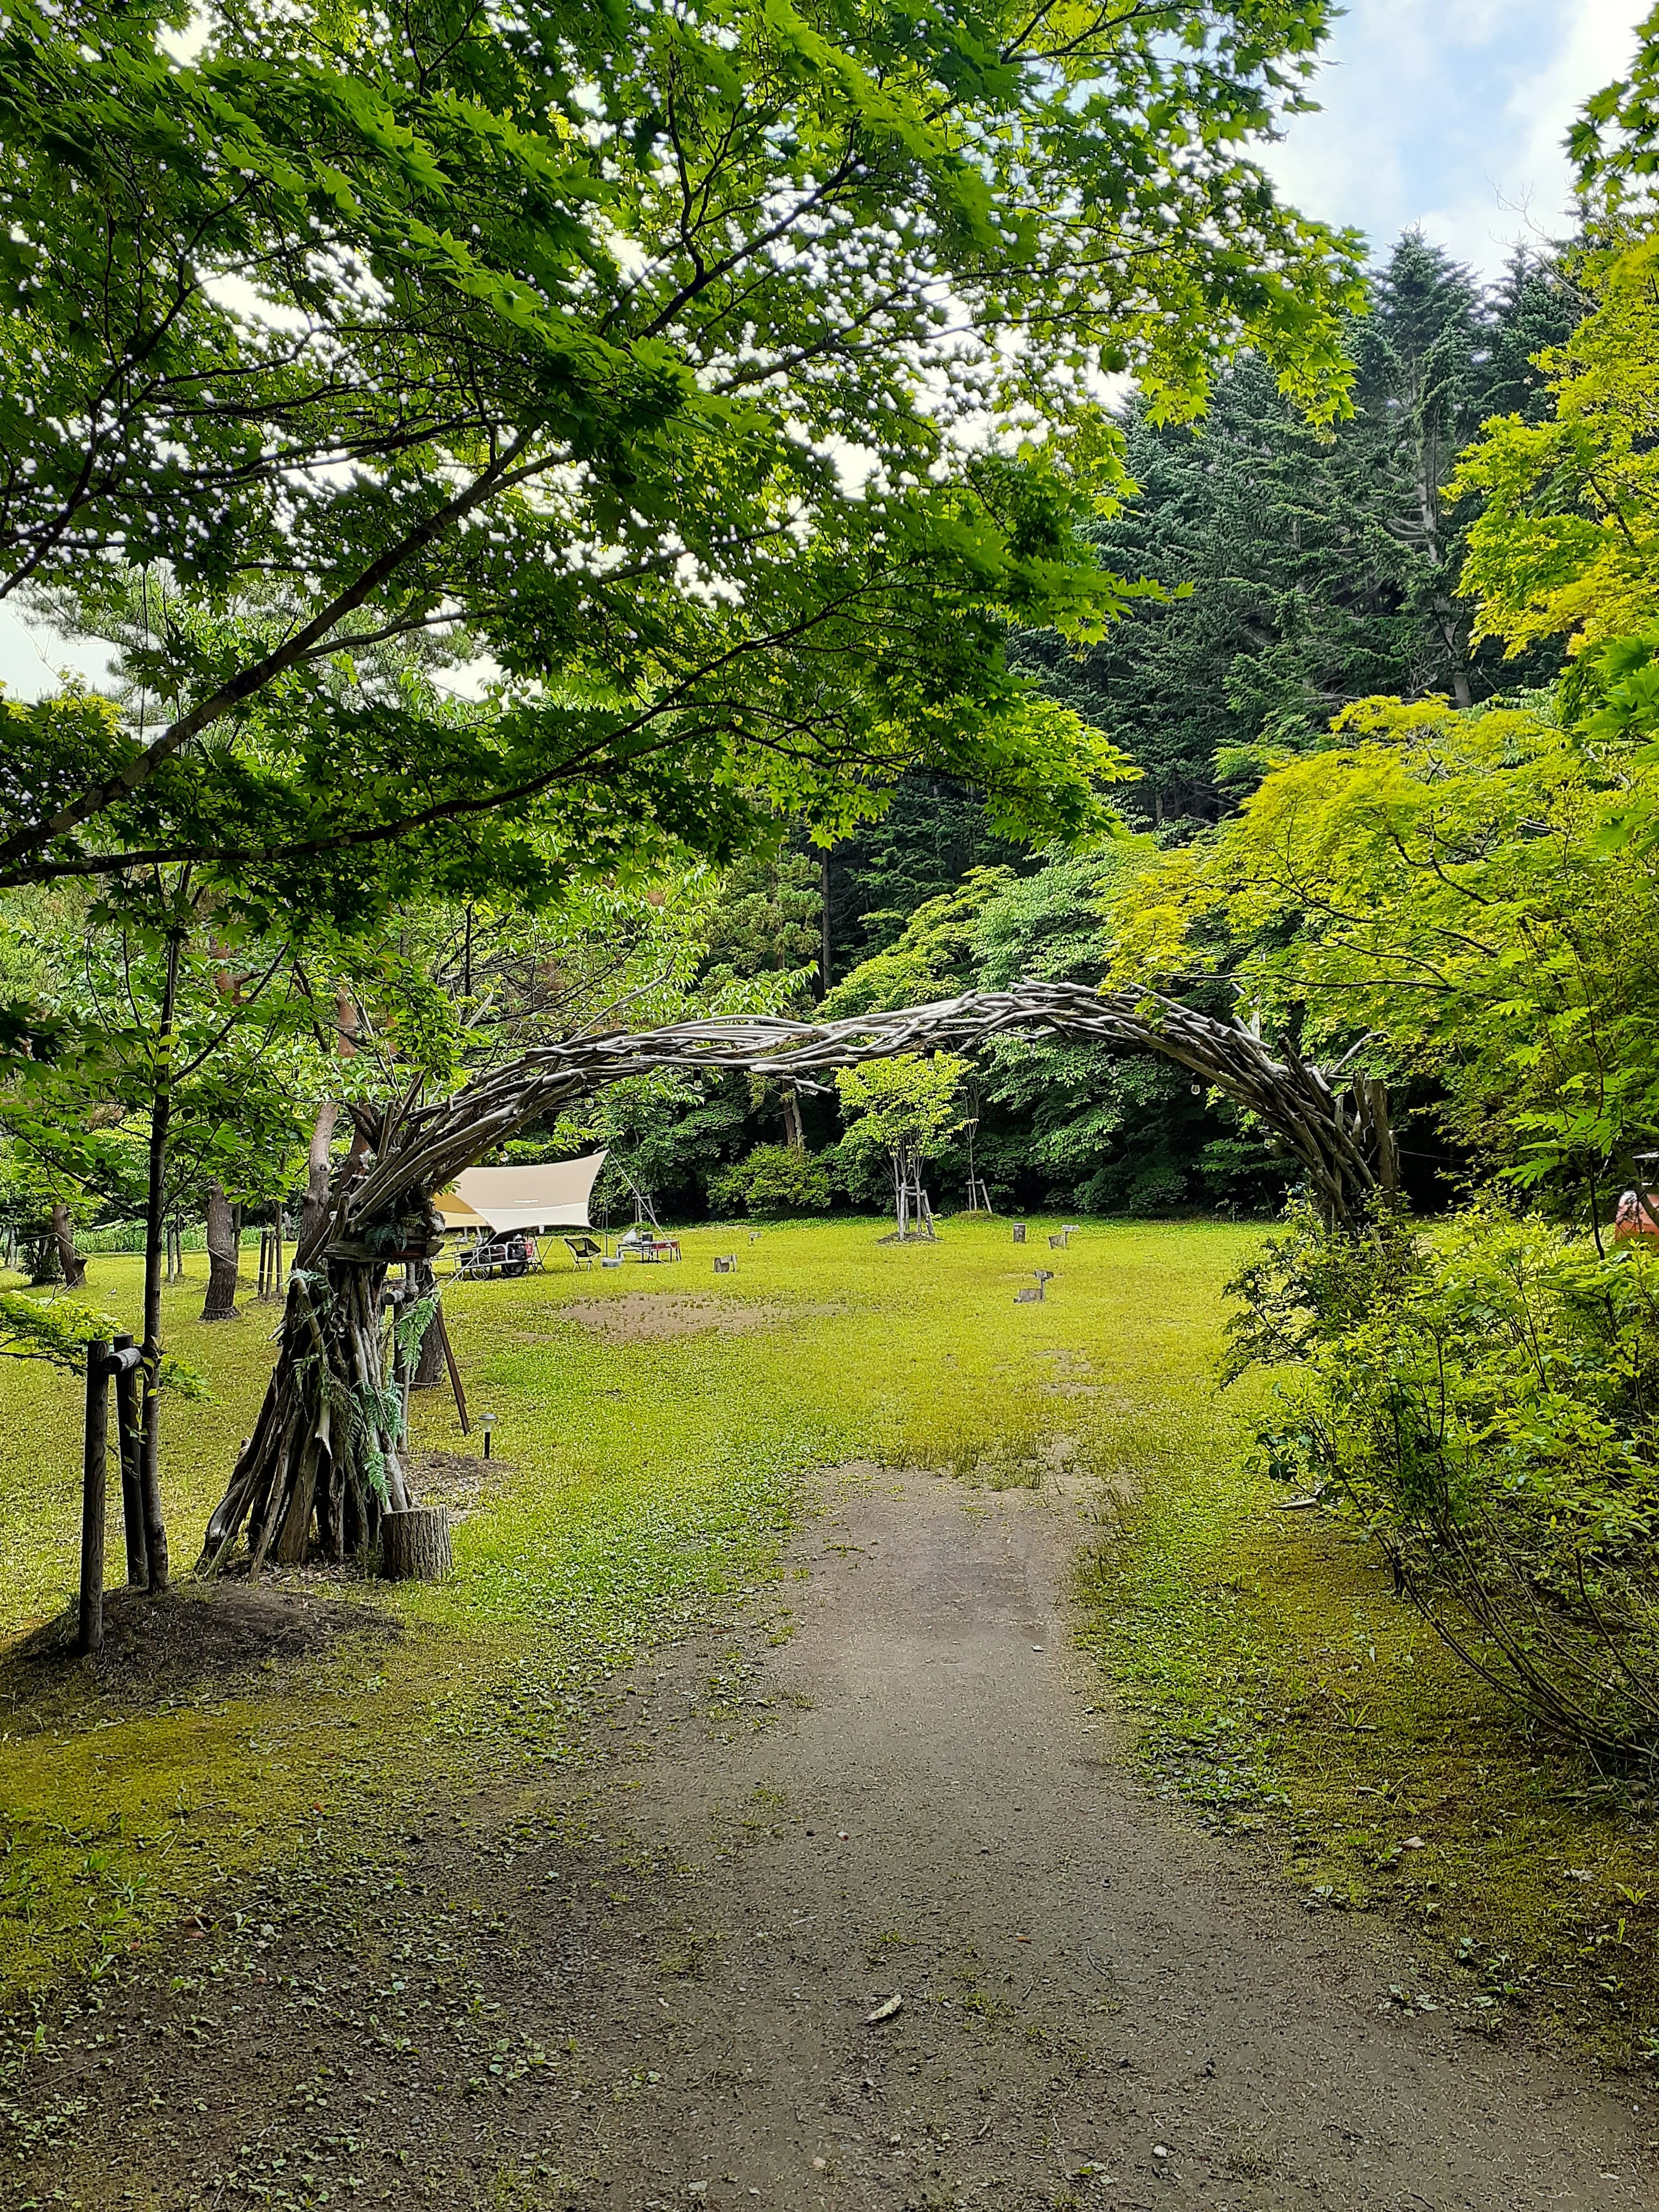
(1281, 1684)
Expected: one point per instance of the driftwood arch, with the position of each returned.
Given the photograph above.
(324, 1454)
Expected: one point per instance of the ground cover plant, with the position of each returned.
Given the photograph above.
(659, 1436)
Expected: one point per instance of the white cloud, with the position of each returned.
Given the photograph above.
(34, 657)
(1451, 113)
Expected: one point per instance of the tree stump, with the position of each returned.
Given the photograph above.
(414, 1544)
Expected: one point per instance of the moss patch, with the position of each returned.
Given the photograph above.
(1285, 1690)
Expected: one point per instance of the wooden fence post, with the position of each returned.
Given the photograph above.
(126, 1446)
(90, 1624)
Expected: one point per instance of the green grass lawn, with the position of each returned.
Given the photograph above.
(641, 1483)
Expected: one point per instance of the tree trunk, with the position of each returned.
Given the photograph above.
(224, 1257)
(44, 1264)
(414, 1544)
(794, 1135)
(322, 1139)
(63, 1230)
(160, 1119)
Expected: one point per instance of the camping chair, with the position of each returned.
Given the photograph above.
(584, 1250)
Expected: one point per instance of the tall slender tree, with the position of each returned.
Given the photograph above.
(1309, 568)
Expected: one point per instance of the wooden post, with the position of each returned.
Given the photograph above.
(454, 1371)
(126, 1446)
(90, 1634)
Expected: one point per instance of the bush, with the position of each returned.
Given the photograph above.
(774, 1180)
(1485, 1402)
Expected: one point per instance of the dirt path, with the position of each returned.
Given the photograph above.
(913, 1794)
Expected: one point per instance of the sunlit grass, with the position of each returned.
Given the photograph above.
(641, 1484)
(636, 1485)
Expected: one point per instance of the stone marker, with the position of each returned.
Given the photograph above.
(1019, 1232)
(726, 1263)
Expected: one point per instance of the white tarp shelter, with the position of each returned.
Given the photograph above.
(499, 1198)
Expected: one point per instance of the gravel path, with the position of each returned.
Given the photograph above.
(1099, 2005)
(650, 1987)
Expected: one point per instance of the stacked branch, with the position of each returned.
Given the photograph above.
(324, 1458)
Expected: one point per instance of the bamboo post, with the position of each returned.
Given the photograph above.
(89, 1627)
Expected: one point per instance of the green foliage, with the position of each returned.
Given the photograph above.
(1485, 1403)
(931, 836)
(931, 957)
(56, 1330)
(541, 338)
(767, 919)
(1471, 894)
(183, 1379)
(1074, 1124)
(774, 1182)
(906, 1103)
(1567, 544)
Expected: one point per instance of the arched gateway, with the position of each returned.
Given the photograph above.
(324, 1452)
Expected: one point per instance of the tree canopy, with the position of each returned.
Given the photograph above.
(719, 377)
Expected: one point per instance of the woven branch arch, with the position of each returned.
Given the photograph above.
(323, 1455)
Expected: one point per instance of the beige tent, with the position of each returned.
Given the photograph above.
(499, 1198)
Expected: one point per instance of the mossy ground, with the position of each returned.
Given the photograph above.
(640, 1484)
(1286, 1691)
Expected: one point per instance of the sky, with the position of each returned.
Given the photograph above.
(1448, 113)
